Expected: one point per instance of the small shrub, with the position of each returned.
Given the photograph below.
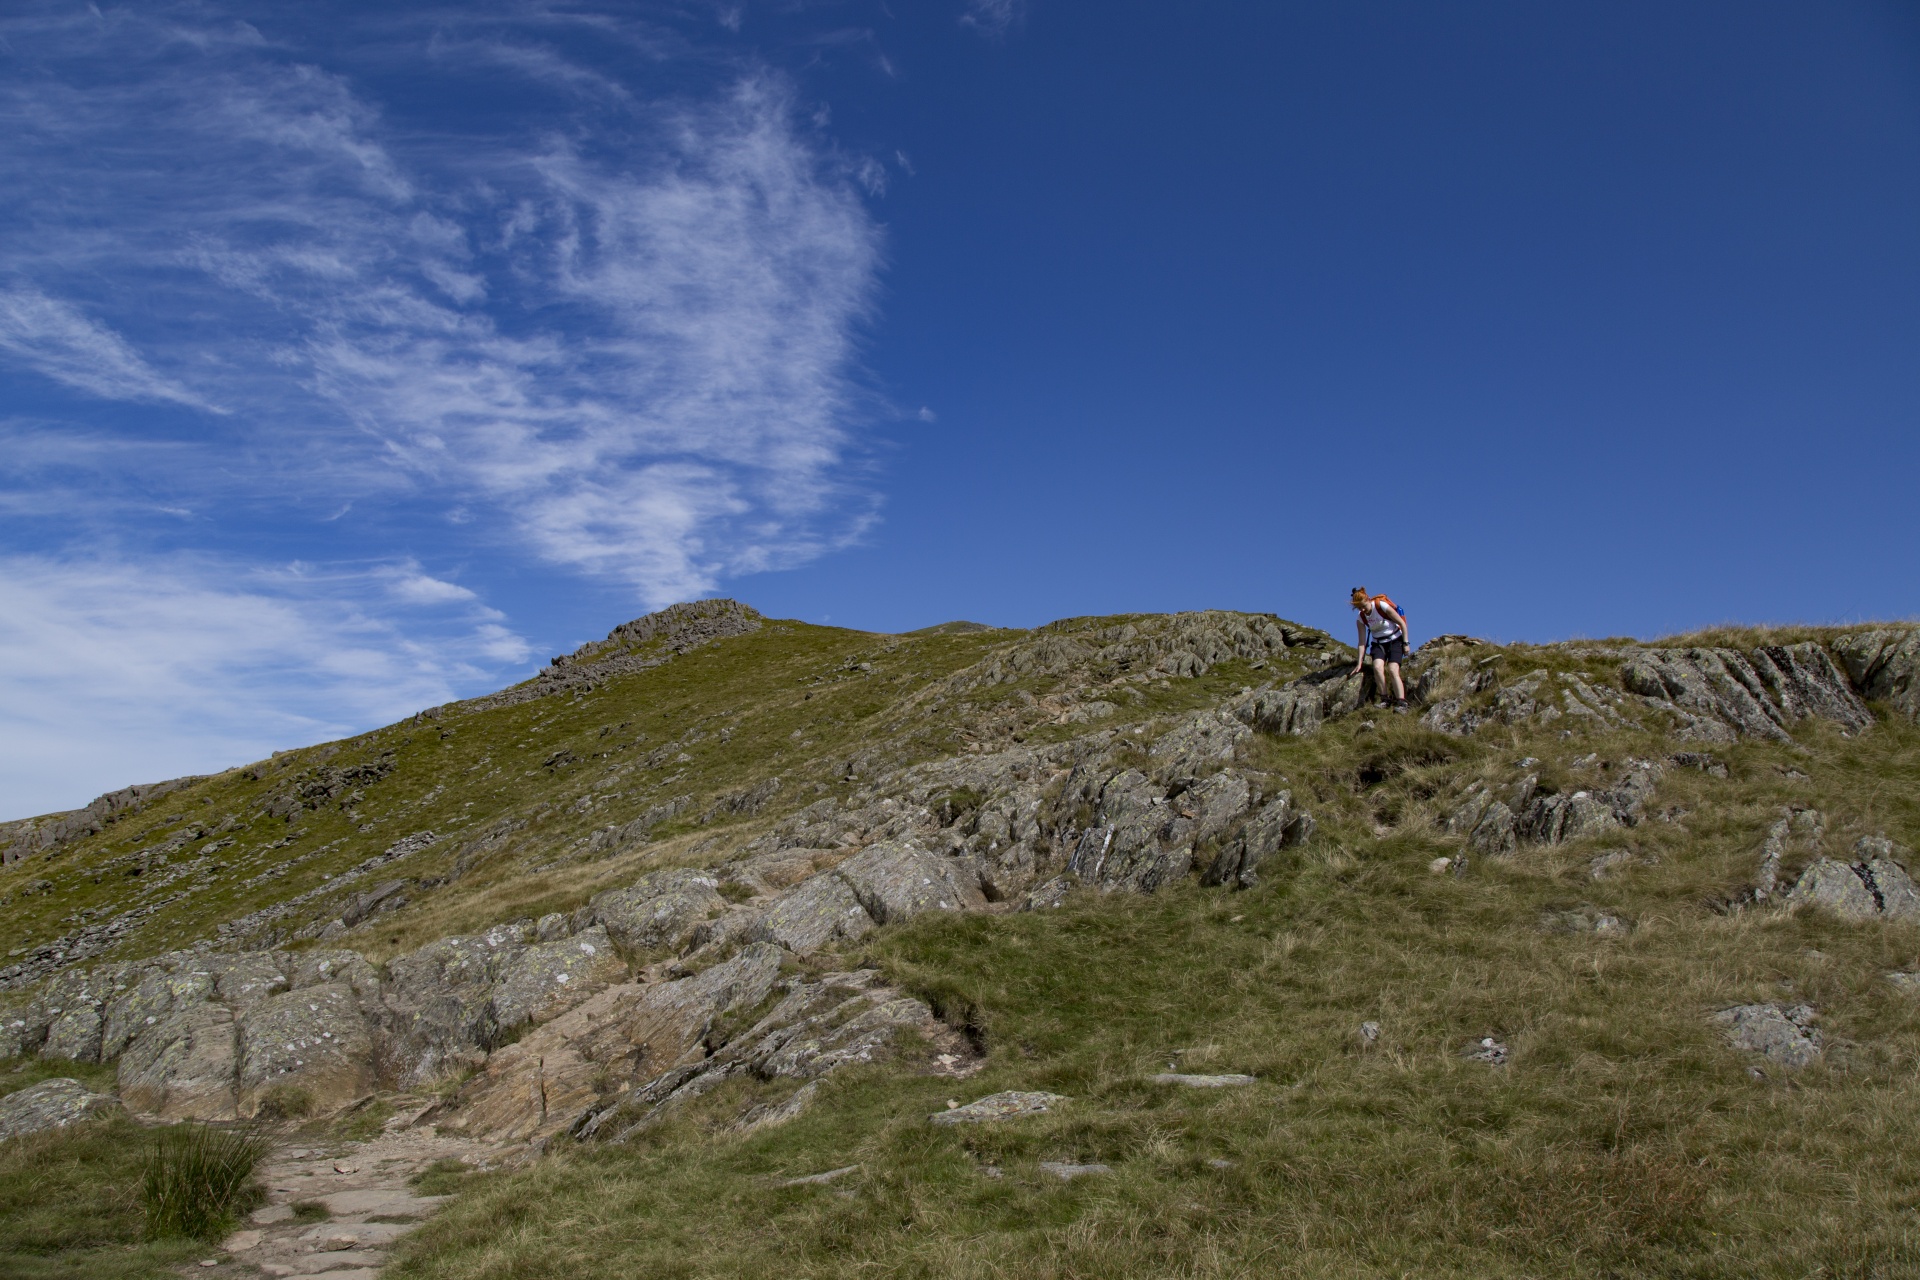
(310, 1211)
(199, 1179)
(442, 1177)
(285, 1102)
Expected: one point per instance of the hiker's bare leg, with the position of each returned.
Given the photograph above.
(1399, 689)
(1380, 677)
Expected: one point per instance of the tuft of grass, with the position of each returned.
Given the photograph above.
(285, 1102)
(310, 1211)
(442, 1177)
(198, 1180)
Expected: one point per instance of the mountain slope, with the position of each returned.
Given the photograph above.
(1581, 968)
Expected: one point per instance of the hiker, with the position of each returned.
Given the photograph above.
(1382, 631)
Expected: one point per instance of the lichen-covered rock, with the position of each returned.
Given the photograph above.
(660, 909)
(51, 1104)
(1884, 666)
(438, 1002)
(172, 983)
(1196, 746)
(1300, 708)
(185, 1066)
(534, 983)
(1873, 887)
(1836, 888)
(811, 915)
(314, 1040)
(1000, 1106)
(1784, 1036)
(894, 881)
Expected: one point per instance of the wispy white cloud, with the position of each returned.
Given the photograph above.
(119, 671)
(57, 340)
(632, 341)
(993, 17)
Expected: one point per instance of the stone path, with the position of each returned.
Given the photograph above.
(370, 1203)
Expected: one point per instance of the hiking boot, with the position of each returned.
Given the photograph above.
(1399, 704)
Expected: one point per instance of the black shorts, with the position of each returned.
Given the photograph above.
(1394, 650)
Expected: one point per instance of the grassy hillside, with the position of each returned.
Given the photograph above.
(1619, 1134)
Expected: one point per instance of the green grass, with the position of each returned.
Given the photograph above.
(70, 1207)
(1624, 1139)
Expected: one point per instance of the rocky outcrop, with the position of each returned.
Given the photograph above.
(51, 1104)
(1785, 1036)
(1301, 707)
(1718, 695)
(625, 1035)
(894, 881)
(1874, 886)
(1276, 826)
(185, 1066)
(639, 645)
(1884, 666)
(312, 1044)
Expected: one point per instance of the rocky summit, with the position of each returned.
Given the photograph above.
(720, 876)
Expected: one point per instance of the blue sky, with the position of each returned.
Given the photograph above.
(357, 357)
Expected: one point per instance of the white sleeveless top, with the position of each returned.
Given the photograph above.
(1379, 626)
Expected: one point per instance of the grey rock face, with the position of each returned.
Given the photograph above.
(1873, 887)
(1719, 694)
(438, 1005)
(315, 1040)
(1274, 827)
(184, 1066)
(1786, 1036)
(1300, 708)
(661, 909)
(51, 1104)
(894, 882)
(1883, 665)
(1196, 746)
(1000, 1106)
(812, 914)
(532, 984)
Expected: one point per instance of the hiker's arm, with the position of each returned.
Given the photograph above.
(1360, 630)
(1406, 636)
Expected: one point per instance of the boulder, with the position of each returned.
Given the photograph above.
(535, 983)
(1785, 1036)
(51, 1104)
(1557, 819)
(894, 881)
(184, 1066)
(660, 909)
(1836, 888)
(811, 915)
(314, 1040)
(1873, 887)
